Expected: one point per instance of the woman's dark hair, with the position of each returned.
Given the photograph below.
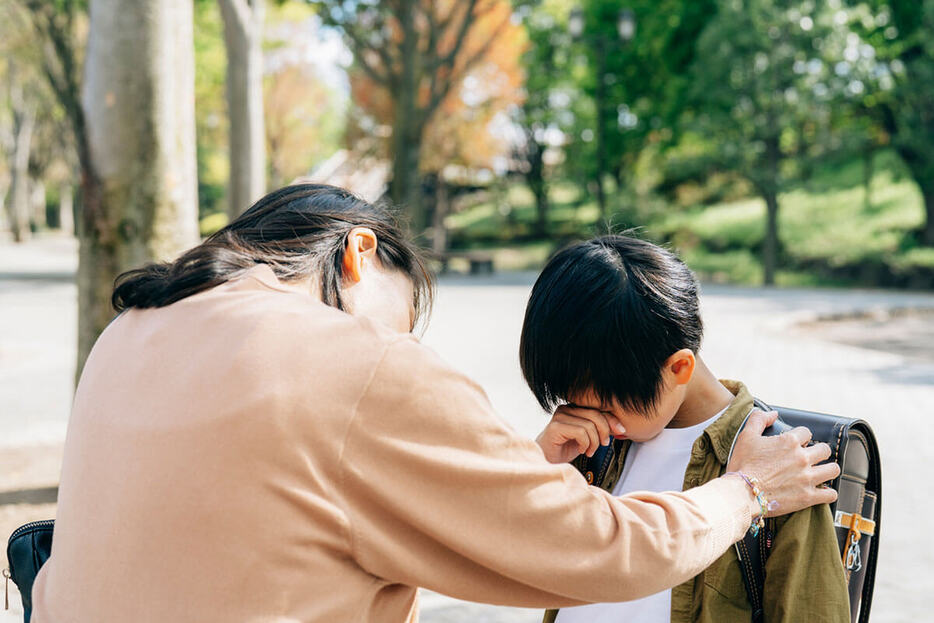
(298, 231)
(604, 316)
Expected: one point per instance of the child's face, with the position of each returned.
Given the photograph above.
(639, 426)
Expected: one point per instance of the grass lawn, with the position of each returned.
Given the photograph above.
(825, 222)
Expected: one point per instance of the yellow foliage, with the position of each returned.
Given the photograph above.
(488, 76)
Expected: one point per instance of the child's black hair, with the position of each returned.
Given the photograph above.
(605, 315)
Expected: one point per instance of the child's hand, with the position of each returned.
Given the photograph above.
(577, 430)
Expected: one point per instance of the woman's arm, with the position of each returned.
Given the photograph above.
(787, 472)
(440, 493)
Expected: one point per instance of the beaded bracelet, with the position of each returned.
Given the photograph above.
(765, 505)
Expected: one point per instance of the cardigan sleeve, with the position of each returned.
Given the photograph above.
(441, 493)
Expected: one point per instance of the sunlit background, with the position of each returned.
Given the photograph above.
(778, 143)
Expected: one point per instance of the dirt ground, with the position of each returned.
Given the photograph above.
(28, 487)
(905, 332)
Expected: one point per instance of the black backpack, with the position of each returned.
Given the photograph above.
(27, 550)
(856, 512)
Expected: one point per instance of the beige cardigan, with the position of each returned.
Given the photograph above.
(250, 454)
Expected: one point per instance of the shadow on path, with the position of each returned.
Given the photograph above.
(58, 277)
(39, 495)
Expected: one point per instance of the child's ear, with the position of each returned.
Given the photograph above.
(682, 365)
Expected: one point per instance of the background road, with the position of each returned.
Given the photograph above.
(753, 334)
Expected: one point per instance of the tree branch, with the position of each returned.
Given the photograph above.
(361, 47)
(59, 64)
(438, 96)
(465, 25)
(239, 10)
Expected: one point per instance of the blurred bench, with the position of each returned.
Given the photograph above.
(481, 262)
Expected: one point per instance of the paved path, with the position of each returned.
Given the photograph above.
(751, 335)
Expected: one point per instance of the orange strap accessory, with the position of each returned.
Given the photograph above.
(857, 526)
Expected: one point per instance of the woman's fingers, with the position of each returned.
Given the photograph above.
(785, 468)
(824, 495)
(800, 435)
(758, 421)
(789, 470)
(824, 473)
(817, 453)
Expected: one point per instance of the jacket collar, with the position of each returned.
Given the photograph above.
(722, 431)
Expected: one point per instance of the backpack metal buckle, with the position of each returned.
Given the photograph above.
(853, 562)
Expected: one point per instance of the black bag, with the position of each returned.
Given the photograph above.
(28, 549)
(856, 512)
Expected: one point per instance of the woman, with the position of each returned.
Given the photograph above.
(258, 437)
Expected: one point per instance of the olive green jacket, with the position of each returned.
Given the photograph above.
(804, 573)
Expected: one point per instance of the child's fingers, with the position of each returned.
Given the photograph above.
(589, 425)
(615, 424)
(576, 434)
(580, 429)
(596, 419)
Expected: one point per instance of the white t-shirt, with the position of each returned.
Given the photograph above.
(655, 465)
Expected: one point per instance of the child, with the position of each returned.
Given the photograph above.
(611, 338)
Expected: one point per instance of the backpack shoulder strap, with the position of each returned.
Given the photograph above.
(753, 551)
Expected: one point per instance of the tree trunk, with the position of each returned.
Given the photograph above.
(37, 216)
(541, 209)
(927, 235)
(24, 118)
(276, 176)
(868, 171)
(535, 177)
(4, 187)
(439, 235)
(769, 186)
(407, 129)
(66, 209)
(770, 247)
(921, 169)
(406, 188)
(617, 172)
(601, 132)
(243, 39)
(139, 194)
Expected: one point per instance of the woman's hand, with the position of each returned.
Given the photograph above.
(573, 431)
(786, 469)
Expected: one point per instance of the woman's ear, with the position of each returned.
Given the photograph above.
(682, 365)
(360, 250)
